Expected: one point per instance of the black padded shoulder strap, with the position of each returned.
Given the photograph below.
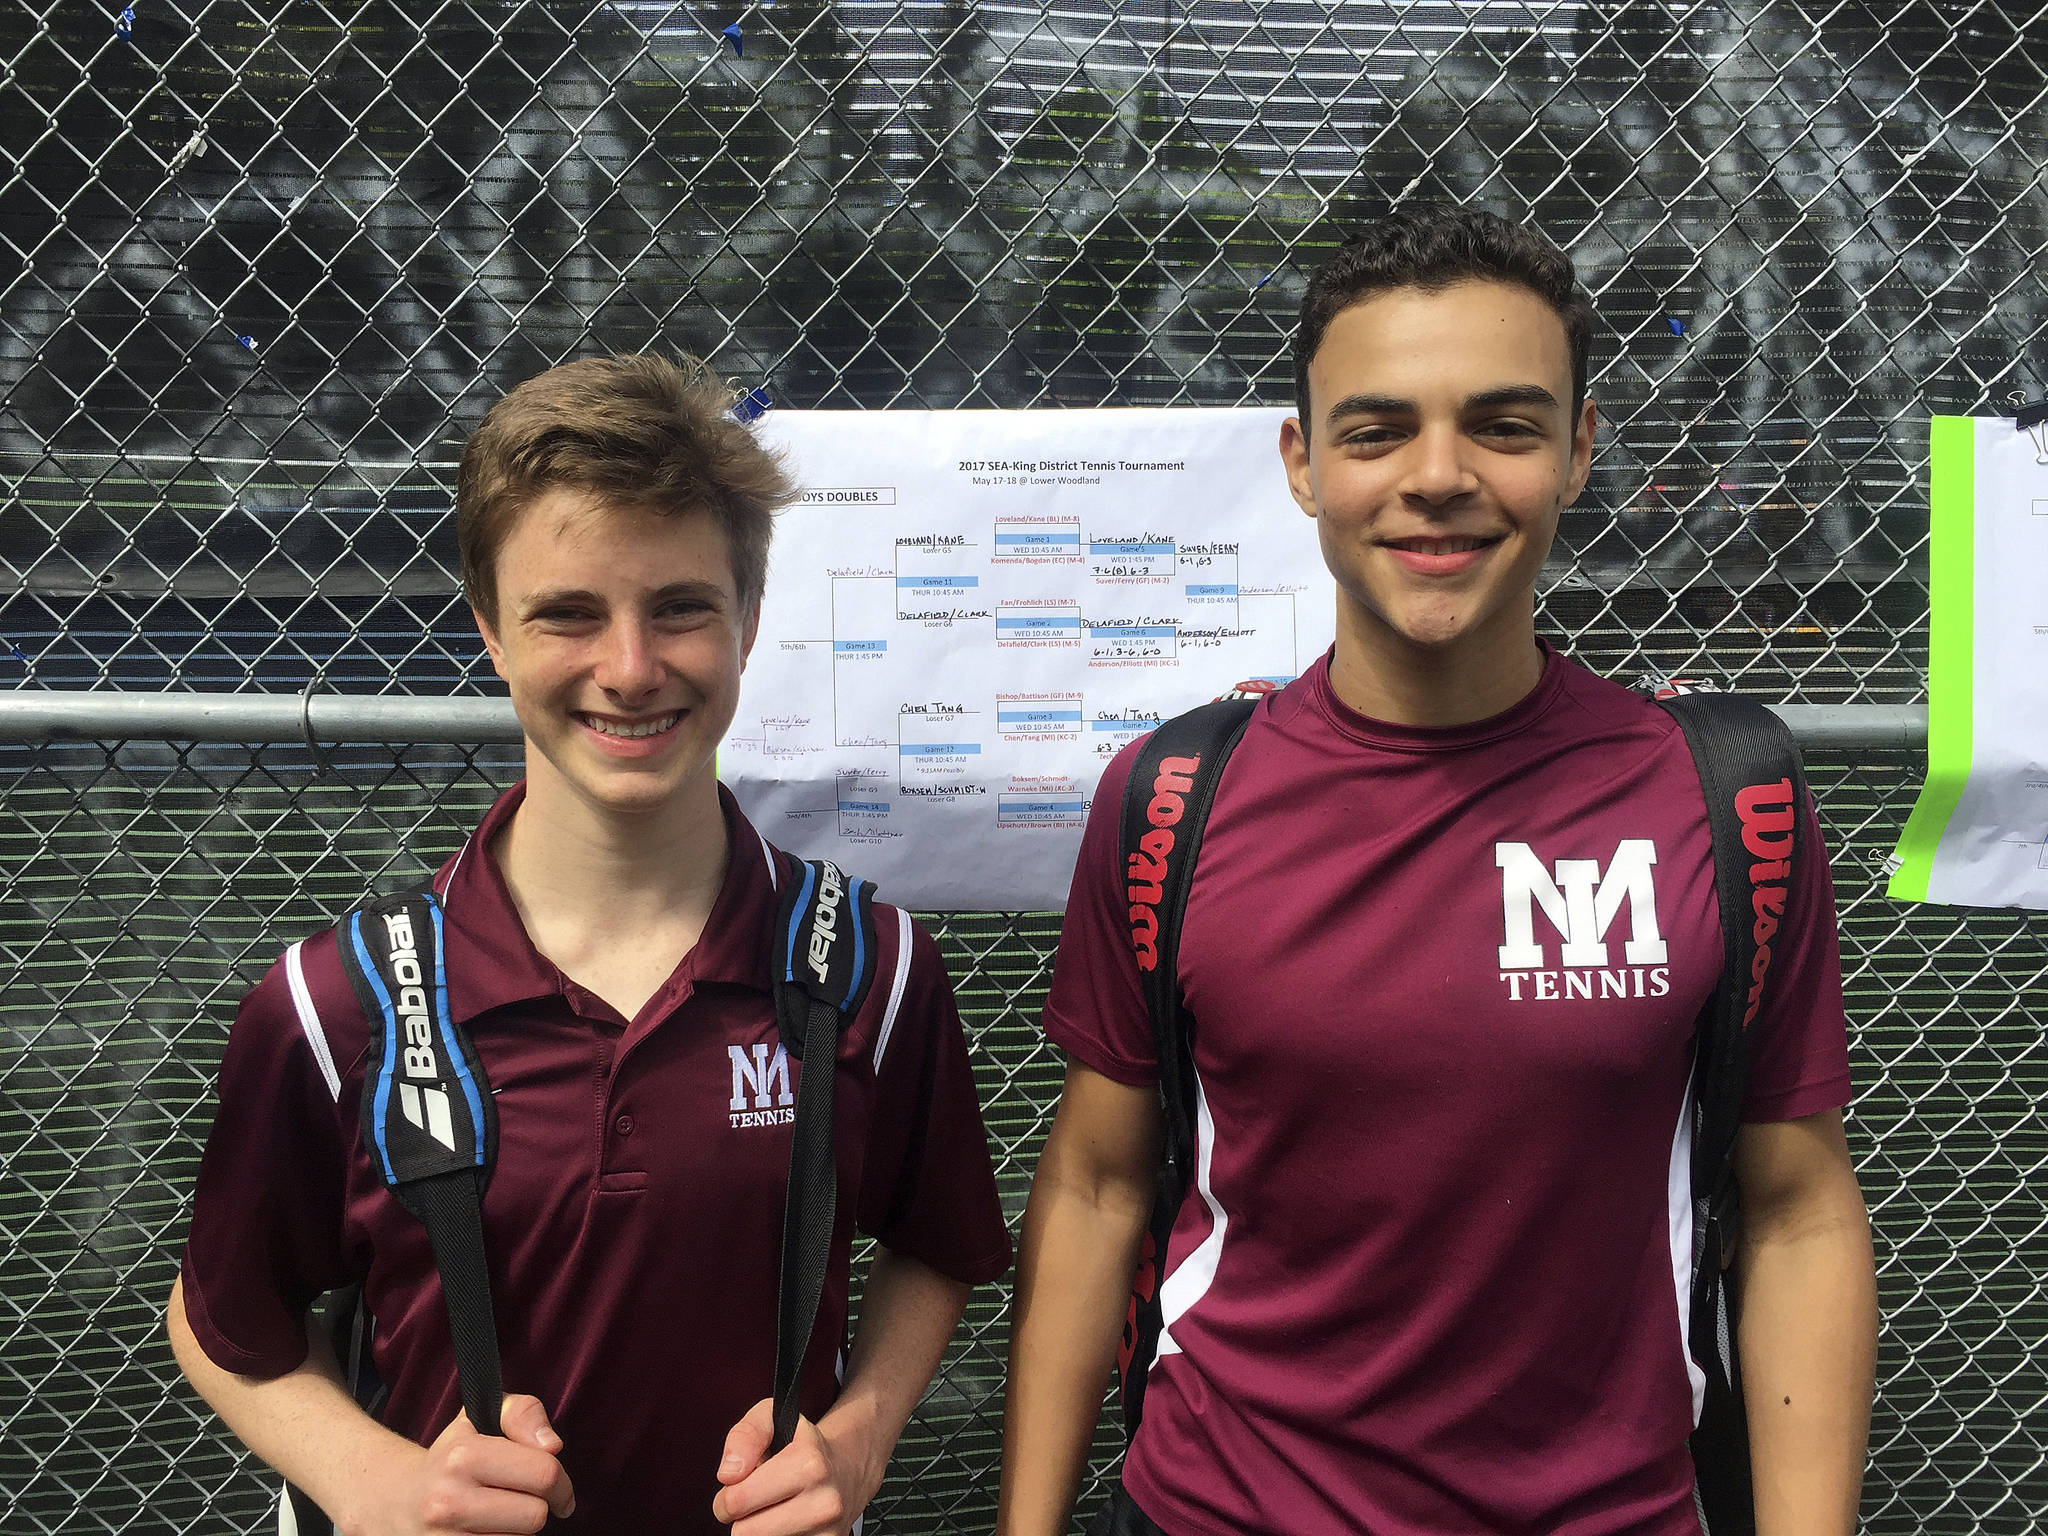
(1165, 810)
(1754, 786)
(1755, 789)
(1166, 807)
(823, 965)
(429, 1118)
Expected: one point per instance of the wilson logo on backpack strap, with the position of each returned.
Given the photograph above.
(1769, 815)
(1147, 864)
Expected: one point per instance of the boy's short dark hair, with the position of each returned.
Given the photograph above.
(631, 431)
(1434, 246)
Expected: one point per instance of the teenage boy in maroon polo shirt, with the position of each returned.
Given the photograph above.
(607, 936)
(1451, 926)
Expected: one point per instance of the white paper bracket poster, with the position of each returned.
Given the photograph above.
(971, 612)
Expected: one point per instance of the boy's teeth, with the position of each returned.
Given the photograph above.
(1445, 546)
(644, 728)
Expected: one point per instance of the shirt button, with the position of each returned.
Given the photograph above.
(623, 1125)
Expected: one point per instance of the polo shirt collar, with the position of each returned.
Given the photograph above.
(492, 961)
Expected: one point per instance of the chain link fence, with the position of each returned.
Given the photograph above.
(263, 266)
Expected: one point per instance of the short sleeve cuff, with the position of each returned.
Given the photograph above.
(1831, 1092)
(1091, 1053)
(223, 1351)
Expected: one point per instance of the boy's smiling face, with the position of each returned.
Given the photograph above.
(621, 636)
(1443, 445)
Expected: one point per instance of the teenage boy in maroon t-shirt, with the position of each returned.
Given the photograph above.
(1452, 923)
(607, 943)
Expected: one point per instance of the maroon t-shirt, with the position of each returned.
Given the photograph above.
(633, 1223)
(1433, 1273)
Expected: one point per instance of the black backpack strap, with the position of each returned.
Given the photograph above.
(823, 964)
(1755, 788)
(429, 1118)
(1166, 807)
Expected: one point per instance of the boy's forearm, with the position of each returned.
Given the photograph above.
(1807, 1333)
(1808, 1337)
(1074, 1266)
(303, 1424)
(908, 1313)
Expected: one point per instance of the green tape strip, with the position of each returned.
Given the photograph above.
(1951, 558)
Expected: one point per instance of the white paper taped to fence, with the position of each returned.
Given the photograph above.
(1978, 834)
(970, 612)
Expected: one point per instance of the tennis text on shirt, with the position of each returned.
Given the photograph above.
(1581, 904)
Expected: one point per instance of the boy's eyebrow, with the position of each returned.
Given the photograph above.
(703, 591)
(548, 597)
(1370, 405)
(1511, 394)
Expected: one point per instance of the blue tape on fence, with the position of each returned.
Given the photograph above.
(753, 405)
(124, 24)
(246, 341)
(1677, 325)
(731, 33)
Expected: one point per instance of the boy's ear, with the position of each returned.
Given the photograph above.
(492, 643)
(750, 630)
(1582, 452)
(1294, 457)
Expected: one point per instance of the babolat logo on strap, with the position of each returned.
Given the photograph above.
(425, 1108)
(828, 932)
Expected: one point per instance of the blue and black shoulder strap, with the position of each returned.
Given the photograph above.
(431, 1122)
(428, 1117)
(1753, 785)
(823, 966)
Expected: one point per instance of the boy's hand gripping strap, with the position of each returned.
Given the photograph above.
(1754, 787)
(1165, 810)
(429, 1119)
(823, 963)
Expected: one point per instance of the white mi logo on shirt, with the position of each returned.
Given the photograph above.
(760, 1086)
(1580, 904)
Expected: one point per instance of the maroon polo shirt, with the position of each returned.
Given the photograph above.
(633, 1223)
(1434, 1270)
